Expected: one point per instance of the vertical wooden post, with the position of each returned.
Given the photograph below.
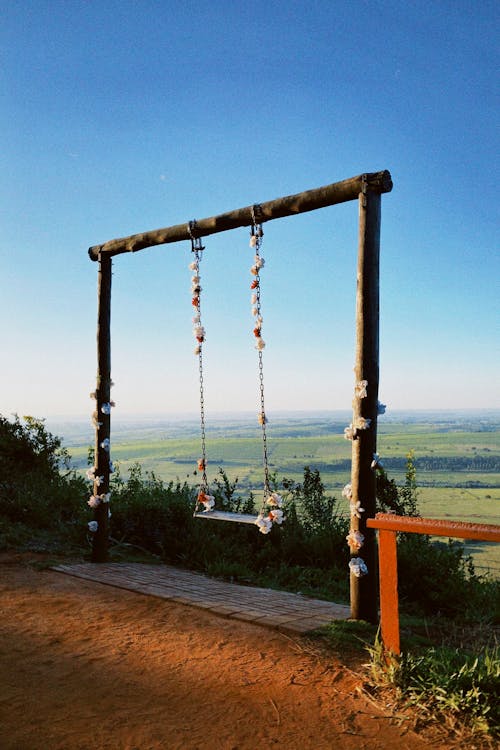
(389, 605)
(364, 589)
(100, 540)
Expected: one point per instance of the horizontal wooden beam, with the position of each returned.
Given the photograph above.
(329, 195)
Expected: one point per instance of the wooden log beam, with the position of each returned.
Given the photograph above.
(102, 418)
(364, 589)
(310, 200)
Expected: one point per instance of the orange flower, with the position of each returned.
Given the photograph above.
(254, 284)
(195, 301)
(201, 464)
(256, 332)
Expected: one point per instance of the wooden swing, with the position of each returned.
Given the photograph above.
(270, 512)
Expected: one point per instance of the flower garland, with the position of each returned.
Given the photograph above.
(271, 512)
(97, 499)
(355, 539)
(203, 499)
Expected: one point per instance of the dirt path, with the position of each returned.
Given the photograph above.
(87, 667)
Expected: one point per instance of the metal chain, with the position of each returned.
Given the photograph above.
(256, 243)
(197, 248)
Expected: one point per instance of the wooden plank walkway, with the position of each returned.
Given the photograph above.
(275, 609)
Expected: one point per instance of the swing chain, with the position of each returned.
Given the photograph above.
(197, 248)
(256, 242)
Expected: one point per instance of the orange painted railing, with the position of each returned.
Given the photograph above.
(388, 525)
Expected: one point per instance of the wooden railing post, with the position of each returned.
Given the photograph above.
(389, 603)
(100, 538)
(364, 589)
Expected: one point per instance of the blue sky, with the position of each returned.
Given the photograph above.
(120, 117)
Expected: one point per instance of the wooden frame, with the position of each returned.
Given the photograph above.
(388, 525)
(367, 189)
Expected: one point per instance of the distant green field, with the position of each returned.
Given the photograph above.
(458, 464)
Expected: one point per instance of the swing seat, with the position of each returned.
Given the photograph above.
(224, 515)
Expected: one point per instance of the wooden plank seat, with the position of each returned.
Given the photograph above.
(224, 515)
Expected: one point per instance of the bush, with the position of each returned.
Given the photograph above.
(34, 493)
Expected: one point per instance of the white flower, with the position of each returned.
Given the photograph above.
(93, 526)
(253, 241)
(195, 279)
(376, 463)
(105, 444)
(253, 299)
(275, 500)
(362, 424)
(199, 332)
(91, 474)
(350, 433)
(193, 266)
(111, 467)
(106, 408)
(360, 388)
(276, 516)
(105, 497)
(356, 509)
(355, 540)
(208, 502)
(347, 491)
(381, 408)
(260, 344)
(99, 481)
(358, 566)
(94, 501)
(255, 311)
(264, 524)
(259, 262)
(197, 319)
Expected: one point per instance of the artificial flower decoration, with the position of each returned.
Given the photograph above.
(261, 417)
(99, 481)
(260, 344)
(376, 463)
(276, 516)
(358, 567)
(254, 284)
(199, 333)
(253, 240)
(356, 509)
(106, 408)
(253, 299)
(105, 444)
(275, 500)
(91, 474)
(381, 408)
(111, 467)
(201, 464)
(208, 501)
(193, 266)
(264, 523)
(95, 421)
(259, 262)
(197, 349)
(93, 526)
(350, 433)
(94, 501)
(355, 540)
(360, 388)
(362, 424)
(347, 491)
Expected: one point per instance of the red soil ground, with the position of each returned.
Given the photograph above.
(88, 667)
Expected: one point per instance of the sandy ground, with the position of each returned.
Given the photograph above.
(85, 666)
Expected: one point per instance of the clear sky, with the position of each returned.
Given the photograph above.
(120, 117)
